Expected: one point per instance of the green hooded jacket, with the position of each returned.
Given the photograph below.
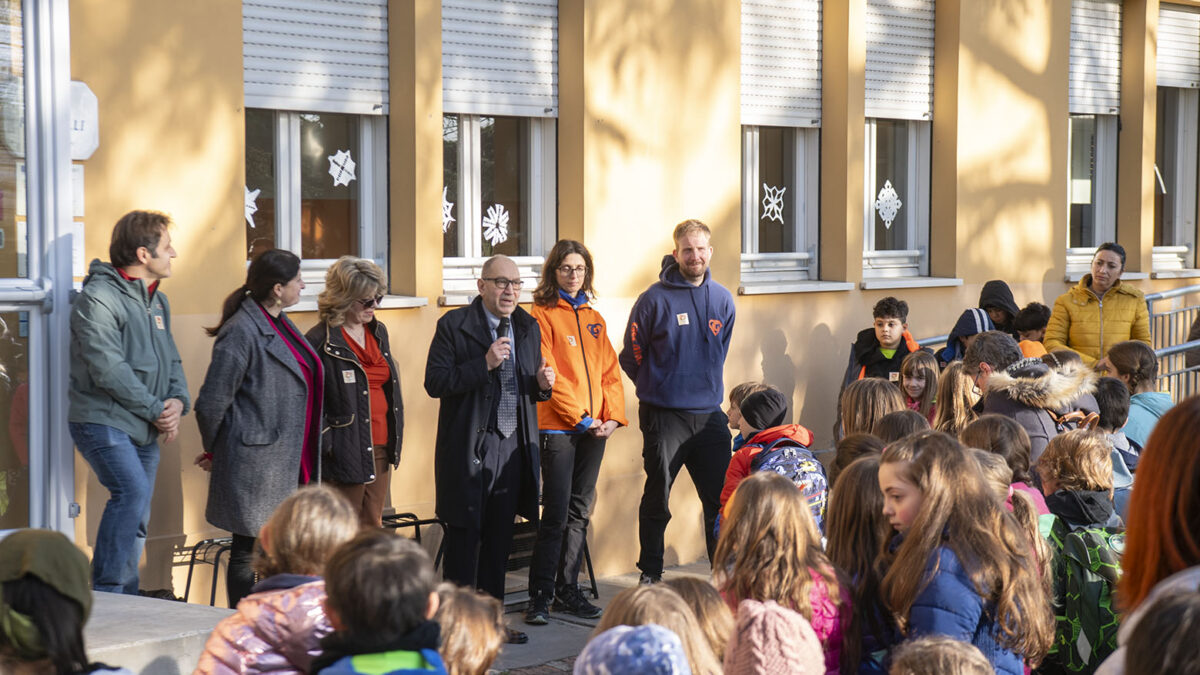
(124, 364)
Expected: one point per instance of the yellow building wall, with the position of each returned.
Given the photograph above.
(649, 134)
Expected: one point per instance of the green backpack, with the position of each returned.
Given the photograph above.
(1086, 564)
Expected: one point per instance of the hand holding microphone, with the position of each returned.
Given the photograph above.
(502, 347)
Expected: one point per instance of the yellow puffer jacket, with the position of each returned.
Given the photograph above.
(1085, 324)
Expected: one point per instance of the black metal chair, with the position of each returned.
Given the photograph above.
(397, 521)
(216, 547)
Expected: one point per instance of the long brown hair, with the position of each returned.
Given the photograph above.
(999, 478)
(1164, 511)
(660, 604)
(546, 293)
(921, 364)
(958, 511)
(1136, 361)
(855, 530)
(712, 614)
(769, 547)
(472, 629)
(1003, 436)
(955, 399)
(304, 531)
(865, 401)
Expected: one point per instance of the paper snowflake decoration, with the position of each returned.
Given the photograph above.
(888, 204)
(495, 224)
(772, 202)
(447, 207)
(251, 207)
(341, 167)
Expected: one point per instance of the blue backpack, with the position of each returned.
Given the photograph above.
(796, 462)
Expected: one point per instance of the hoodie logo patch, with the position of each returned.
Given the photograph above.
(571, 340)
(714, 326)
(158, 322)
(594, 329)
(681, 319)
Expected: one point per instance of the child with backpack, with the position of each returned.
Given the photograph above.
(959, 565)
(918, 380)
(1086, 545)
(1112, 399)
(774, 446)
(769, 549)
(734, 412)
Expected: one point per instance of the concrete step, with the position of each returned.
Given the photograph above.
(149, 636)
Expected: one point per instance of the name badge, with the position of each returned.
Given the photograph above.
(348, 376)
(893, 376)
(158, 322)
(571, 340)
(681, 319)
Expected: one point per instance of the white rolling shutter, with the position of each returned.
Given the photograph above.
(1178, 46)
(781, 63)
(899, 70)
(1095, 60)
(500, 58)
(316, 55)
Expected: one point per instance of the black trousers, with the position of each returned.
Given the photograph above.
(672, 439)
(475, 555)
(239, 576)
(570, 465)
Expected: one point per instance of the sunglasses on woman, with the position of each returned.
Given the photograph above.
(368, 303)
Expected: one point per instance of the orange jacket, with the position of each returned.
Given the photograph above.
(587, 383)
(739, 464)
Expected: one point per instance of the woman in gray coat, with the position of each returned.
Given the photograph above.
(259, 410)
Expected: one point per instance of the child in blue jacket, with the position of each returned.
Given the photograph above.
(959, 566)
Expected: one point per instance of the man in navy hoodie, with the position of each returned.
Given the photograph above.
(675, 347)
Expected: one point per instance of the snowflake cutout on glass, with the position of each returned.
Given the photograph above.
(772, 202)
(341, 167)
(447, 208)
(888, 204)
(495, 224)
(251, 206)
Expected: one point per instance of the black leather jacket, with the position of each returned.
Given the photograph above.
(347, 455)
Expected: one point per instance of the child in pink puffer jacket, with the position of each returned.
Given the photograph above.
(770, 550)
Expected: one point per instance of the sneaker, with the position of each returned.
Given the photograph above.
(649, 579)
(570, 599)
(538, 611)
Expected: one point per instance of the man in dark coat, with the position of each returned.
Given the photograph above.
(486, 366)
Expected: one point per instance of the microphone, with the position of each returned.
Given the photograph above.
(502, 329)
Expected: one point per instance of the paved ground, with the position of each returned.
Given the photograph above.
(552, 648)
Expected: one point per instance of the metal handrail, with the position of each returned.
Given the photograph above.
(1177, 349)
(1173, 293)
(931, 341)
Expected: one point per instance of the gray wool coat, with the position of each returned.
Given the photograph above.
(251, 412)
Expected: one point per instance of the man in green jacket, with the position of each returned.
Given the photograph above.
(127, 387)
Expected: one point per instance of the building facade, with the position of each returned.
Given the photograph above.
(840, 151)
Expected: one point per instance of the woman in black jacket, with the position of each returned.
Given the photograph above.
(364, 413)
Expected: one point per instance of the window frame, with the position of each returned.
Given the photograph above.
(1182, 155)
(539, 190)
(1079, 258)
(371, 172)
(912, 261)
(760, 271)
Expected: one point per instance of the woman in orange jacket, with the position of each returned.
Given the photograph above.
(587, 406)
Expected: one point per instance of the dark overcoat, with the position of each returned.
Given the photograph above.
(347, 455)
(251, 413)
(457, 373)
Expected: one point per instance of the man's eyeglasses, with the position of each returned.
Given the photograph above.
(368, 303)
(567, 270)
(504, 284)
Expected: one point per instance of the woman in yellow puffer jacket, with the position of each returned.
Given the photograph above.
(1100, 311)
(588, 405)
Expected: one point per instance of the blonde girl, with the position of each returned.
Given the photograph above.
(918, 381)
(960, 566)
(660, 604)
(956, 398)
(712, 614)
(769, 549)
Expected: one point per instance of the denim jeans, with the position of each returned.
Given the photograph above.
(127, 471)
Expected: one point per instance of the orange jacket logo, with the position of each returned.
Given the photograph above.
(714, 326)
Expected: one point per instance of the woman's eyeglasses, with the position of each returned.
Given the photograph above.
(567, 270)
(368, 303)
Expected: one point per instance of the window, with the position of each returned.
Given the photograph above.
(896, 208)
(499, 195)
(780, 187)
(316, 185)
(1092, 181)
(1175, 157)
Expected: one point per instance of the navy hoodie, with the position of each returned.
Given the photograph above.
(676, 342)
